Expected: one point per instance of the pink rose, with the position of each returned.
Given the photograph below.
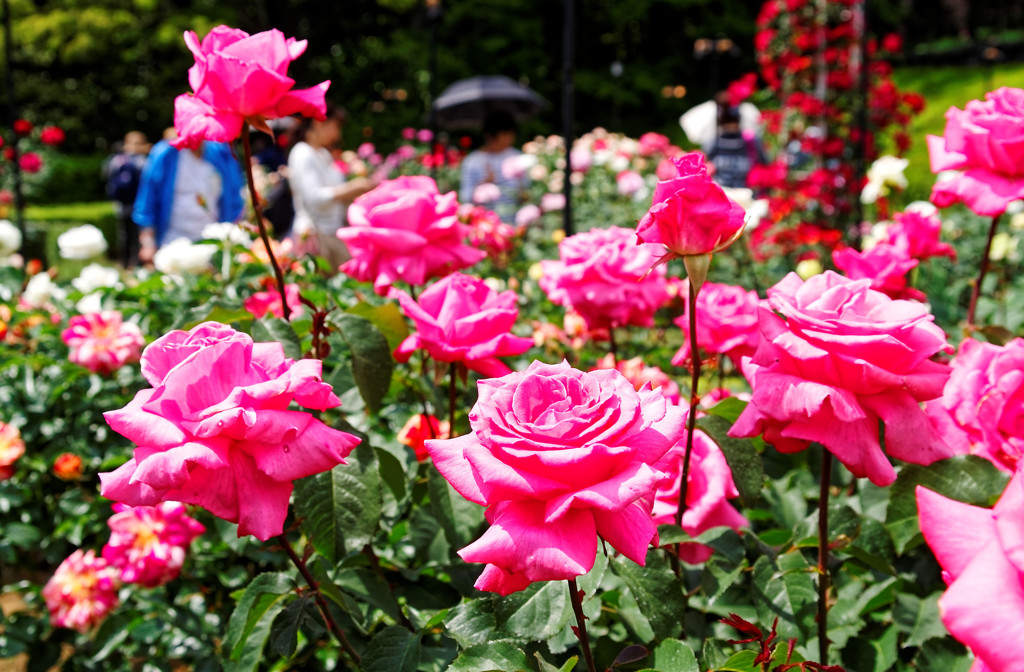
(558, 457)
(52, 136)
(81, 592)
(148, 543)
(241, 79)
(460, 319)
(980, 552)
(101, 342)
(30, 162)
(550, 202)
(486, 193)
(606, 277)
(837, 357)
(215, 429)
(981, 411)
(707, 494)
(640, 375)
(691, 216)
(269, 301)
(886, 266)
(405, 230)
(726, 322)
(985, 140)
(917, 234)
(528, 214)
(11, 448)
(628, 182)
(653, 143)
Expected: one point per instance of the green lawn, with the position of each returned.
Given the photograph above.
(943, 87)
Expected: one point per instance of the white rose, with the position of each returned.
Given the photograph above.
(181, 257)
(90, 303)
(10, 238)
(82, 242)
(39, 290)
(885, 173)
(96, 276)
(226, 232)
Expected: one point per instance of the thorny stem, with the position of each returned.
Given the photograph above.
(332, 625)
(826, 475)
(982, 270)
(581, 625)
(258, 210)
(691, 420)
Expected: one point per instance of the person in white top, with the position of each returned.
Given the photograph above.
(319, 189)
(485, 166)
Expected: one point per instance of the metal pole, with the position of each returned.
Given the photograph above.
(860, 149)
(433, 16)
(568, 37)
(12, 115)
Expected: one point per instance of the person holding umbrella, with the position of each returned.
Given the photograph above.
(485, 178)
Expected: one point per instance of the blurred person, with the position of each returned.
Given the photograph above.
(122, 172)
(484, 166)
(320, 193)
(733, 152)
(181, 191)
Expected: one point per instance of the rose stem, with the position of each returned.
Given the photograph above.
(826, 475)
(320, 601)
(581, 625)
(982, 270)
(451, 401)
(286, 311)
(691, 419)
(613, 347)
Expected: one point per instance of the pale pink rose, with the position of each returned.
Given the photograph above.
(981, 411)
(726, 322)
(460, 319)
(486, 192)
(691, 215)
(81, 592)
(837, 358)
(605, 276)
(985, 141)
(653, 143)
(424, 135)
(148, 543)
(666, 169)
(269, 301)
(559, 457)
(710, 487)
(638, 373)
(628, 182)
(406, 230)
(11, 448)
(102, 342)
(581, 159)
(885, 265)
(237, 79)
(528, 214)
(982, 558)
(917, 233)
(215, 429)
(551, 202)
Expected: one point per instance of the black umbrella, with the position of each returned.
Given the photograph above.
(466, 103)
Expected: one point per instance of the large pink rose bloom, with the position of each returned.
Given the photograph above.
(708, 492)
(101, 342)
(837, 357)
(982, 554)
(559, 457)
(985, 141)
(215, 429)
(148, 543)
(606, 277)
(981, 411)
(240, 78)
(727, 323)
(406, 230)
(885, 265)
(460, 319)
(690, 214)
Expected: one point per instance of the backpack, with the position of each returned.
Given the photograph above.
(123, 179)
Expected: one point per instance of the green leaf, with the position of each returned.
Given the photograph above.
(545, 666)
(673, 655)
(787, 591)
(965, 478)
(918, 618)
(392, 472)
(372, 364)
(277, 330)
(250, 623)
(472, 622)
(742, 456)
(459, 517)
(394, 649)
(284, 633)
(656, 590)
(875, 654)
(340, 509)
(536, 613)
(215, 310)
(369, 587)
(503, 656)
(741, 661)
(943, 655)
(387, 318)
(728, 408)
